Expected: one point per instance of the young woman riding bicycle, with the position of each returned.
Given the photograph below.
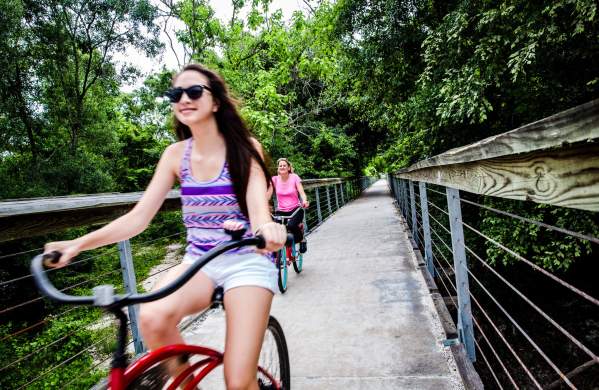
(287, 185)
(223, 177)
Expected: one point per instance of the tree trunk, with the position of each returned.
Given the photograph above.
(24, 115)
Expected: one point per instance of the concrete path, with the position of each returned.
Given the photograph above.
(359, 316)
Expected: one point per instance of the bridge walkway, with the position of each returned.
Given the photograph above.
(360, 315)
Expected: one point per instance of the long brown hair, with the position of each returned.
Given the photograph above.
(240, 149)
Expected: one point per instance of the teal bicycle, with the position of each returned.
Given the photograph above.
(288, 255)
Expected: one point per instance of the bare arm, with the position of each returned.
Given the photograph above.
(130, 224)
(257, 203)
(300, 189)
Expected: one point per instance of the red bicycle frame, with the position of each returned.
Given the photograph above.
(121, 378)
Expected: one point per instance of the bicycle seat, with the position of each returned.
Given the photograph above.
(218, 298)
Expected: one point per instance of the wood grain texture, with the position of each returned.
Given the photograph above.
(20, 218)
(567, 177)
(35, 224)
(576, 125)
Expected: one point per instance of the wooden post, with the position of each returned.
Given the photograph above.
(465, 328)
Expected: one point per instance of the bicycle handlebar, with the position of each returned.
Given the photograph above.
(276, 217)
(104, 295)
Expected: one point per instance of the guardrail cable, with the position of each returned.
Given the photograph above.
(480, 350)
(538, 223)
(20, 253)
(114, 249)
(501, 336)
(61, 290)
(534, 306)
(536, 267)
(39, 323)
(476, 323)
(39, 349)
(522, 331)
(64, 362)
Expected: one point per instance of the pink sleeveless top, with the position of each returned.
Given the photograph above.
(287, 196)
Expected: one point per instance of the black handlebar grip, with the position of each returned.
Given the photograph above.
(51, 258)
(236, 235)
(261, 243)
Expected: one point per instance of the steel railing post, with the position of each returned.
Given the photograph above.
(131, 288)
(465, 328)
(342, 198)
(426, 229)
(336, 199)
(329, 200)
(318, 212)
(413, 214)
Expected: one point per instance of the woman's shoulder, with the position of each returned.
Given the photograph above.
(258, 146)
(175, 149)
(174, 153)
(295, 177)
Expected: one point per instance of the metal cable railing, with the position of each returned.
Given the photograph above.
(494, 326)
(490, 345)
(62, 363)
(409, 199)
(541, 312)
(586, 296)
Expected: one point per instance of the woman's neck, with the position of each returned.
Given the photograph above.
(284, 176)
(206, 136)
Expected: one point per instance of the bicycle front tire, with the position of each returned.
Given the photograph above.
(274, 358)
(298, 263)
(283, 270)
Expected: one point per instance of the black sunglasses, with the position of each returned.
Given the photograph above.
(194, 92)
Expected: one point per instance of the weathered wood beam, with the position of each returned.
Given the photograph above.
(576, 125)
(313, 183)
(23, 225)
(567, 177)
(21, 218)
(16, 207)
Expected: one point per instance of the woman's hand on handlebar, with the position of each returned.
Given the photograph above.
(274, 235)
(69, 249)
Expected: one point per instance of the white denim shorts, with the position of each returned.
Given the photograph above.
(235, 270)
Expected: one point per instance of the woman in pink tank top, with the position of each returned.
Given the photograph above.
(288, 186)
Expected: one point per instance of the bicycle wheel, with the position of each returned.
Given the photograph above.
(154, 377)
(282, 266)
(274, 359)
(298, 262)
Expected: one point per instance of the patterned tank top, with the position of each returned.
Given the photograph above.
(206, 205)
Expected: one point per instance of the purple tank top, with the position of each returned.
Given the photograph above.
(206, 205)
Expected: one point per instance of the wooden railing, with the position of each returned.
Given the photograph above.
(22, 218)
(554, 160)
